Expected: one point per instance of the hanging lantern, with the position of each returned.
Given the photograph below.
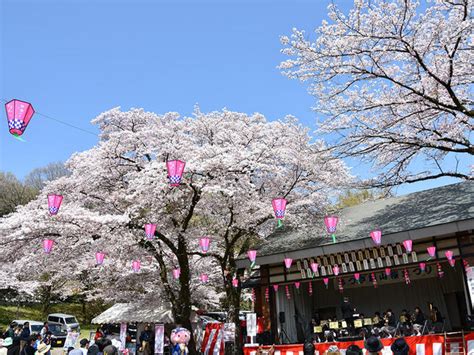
(376, 236)
(279, 208)
(388, 271)
(176, 273)
(357, 277)
(449, 254)
(288, 262)
(204, 244)
(204, 278)
(326, 282)
(408, 244)
(267, 294)
(374, 280)
(54, 202)
(287, 291)
(297, 285)
(252, 255)
(136, 265)
(440, 270)
(235, 282)
(175, 171)
(314, 267)
(310, 288)
(422, 267)
(254, 297)
(341, 287)
(465, 264)
(431, 252)
(19, 114)
(331, 224)
(48, 245)
(452, 262)
(406, 276)
(150, 229)
(99, 258)
(335, 269)
(275, 288)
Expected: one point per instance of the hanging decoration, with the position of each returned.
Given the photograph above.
(54, 202)
(175, 171)
(279, 208)
(275, 288)
(19, 114)
(48, 245)
(465, 264)
(204, 278)
(406, 275)
(176, 273)
(252, 255)
(288, 262)
(314, 268)
(150, 229)
(440, 270)
(341, 287)
(326, 282)
(388, 272)
(376, 236)
(204, 244)
(310, 288)
(431, 252)
(374, 280)
(136, 265)
(331, 224)
(357, 277)
(452, 262)
(335, 269)
(254, 297)
(267, 294)
(297, 285)
(422, 267)
(287, 291)
(449, 254)
(99, 258)
(408, 244)
(235, 282)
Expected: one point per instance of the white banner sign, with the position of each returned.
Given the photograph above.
(159, 338)
(123, 335)
(251, 324)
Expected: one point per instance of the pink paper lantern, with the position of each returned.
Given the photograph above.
(422, 267)
(48, 245)
(314, 267)
(297, 285)
(357, 276)
(326, 282)
(235, 282)
(275, 288)
(388, 271)
(279, 207)
(176, 273)
(449, 254)
(19, 114)
(175, 171)
(252, 255)
(288, 262)
(376, 236)
(204, 278)
(335, 269)
(204, 244)
(431, 251)
(331, 223)
(452, 262)
(136, 265)
(150, 230)
(54, 202)
(408, 244)
(99, 258)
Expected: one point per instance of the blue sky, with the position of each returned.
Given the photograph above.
(75, 59)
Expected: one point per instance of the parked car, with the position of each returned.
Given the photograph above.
(35, 326)
(58, 336)
(66, 321)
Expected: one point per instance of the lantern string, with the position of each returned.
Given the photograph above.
(60, 121)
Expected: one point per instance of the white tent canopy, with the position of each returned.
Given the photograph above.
(139, 313)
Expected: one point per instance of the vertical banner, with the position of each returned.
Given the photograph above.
(71, 339)
(159, 338)
(123, 336)
(251, 324)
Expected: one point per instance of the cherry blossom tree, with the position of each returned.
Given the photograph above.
(393, 81)
(235, 165)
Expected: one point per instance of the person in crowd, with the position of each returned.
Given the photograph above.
(10, 333)
(145, 341)
(405, 323)
(400, 347)
(98, 334)
(390, 323)
(29, 347)
(348, 312)
(24, 335)
(43, 349)
(14, 348)
(37, 341)
(83, 349)
(18, 330)
(44, 329)
(94, 348)
(353, 350)
(437, 320)
(418, 319)
(373, 345)
(47, 339)
(110, 350)
(3, 348)
(377, 321)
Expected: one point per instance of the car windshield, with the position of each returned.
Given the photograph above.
(36, 328)
(54, 328)
(71, 320)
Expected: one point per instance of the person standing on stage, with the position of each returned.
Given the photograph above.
(348, 312)
(418, 319)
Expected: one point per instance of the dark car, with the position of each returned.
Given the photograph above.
(58, 337)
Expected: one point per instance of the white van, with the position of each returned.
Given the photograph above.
(66, 321)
